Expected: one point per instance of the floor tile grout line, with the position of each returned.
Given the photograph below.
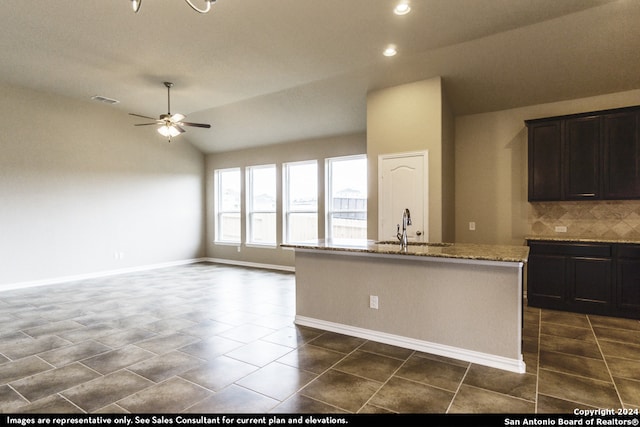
(573, 401)
(18, 393)
(615, 386)
(500, 393)
(332, 367)
(455, 394)
(385, 382)
(71, 403)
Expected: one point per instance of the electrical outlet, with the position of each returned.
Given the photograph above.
(373, 301)
(561, 229)
(472, 226)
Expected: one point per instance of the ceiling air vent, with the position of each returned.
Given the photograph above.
(104, 99)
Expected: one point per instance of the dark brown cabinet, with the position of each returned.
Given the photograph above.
(595, 278)
(581, 165)
(589, 285)
(587, 156)
(545, 160)
(622, 155)
(628, 283)
(546, 280)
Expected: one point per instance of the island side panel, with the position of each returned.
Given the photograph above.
(464, 305)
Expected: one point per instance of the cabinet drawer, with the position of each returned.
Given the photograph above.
(629, 251)
(571, 249)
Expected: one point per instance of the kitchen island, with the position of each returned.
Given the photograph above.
(456, 300)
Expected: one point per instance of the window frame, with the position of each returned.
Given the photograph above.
(219, 213)
(329, 208)
(250, 211)
(286, 211)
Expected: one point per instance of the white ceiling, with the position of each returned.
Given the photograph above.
(270, 71)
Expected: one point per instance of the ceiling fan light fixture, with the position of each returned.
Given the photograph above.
(171, 125)
(169, 131)
(177, 117)
(136, 5)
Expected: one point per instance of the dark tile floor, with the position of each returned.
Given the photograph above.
(208, 338)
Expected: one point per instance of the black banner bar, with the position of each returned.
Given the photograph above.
(591, 418)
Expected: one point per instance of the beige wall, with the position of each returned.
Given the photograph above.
(412, 117)
(314, 149)
(83, 191)
(491, 167)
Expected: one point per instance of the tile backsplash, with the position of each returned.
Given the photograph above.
(614, 219)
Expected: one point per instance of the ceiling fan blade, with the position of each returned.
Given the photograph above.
(177, 117)
(146, 124)
(179, 128)
(198, 125)
(144, 117)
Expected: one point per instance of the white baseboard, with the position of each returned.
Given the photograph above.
(251, 264)
(499, 362)
(63, 279)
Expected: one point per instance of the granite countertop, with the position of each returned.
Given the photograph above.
(470, 251)
(582, 239)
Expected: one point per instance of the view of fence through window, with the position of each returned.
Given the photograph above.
(261, 205)
(300, 201)
(347, 203)
(227, 185)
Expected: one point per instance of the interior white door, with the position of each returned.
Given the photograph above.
(402, 184)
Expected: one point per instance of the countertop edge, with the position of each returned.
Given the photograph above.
(471, 252)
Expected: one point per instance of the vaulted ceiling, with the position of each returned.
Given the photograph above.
(270, 71)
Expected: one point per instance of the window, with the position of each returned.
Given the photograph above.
(300, 201)
(261, 205)
(227, 205)
(346, 197)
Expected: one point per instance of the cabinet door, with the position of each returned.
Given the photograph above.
(581, 168)
(546, 281)
(628, 281)
(628, 286)
(589, 285)
(545, 161)
(621, 156)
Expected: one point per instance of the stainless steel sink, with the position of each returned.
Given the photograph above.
(395, 242)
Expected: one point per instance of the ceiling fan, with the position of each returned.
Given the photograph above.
(170, 125)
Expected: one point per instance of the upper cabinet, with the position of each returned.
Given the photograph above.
(621, 158)
(545, 160)
(582, 158)
(588, 156)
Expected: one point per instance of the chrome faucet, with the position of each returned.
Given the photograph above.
(406, 220)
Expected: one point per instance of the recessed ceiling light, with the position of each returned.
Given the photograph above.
(402, 8)
(390, 51)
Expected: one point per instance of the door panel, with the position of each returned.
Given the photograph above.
(402, 184)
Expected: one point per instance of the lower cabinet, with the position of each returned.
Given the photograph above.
(595, 278)
(628, 280)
